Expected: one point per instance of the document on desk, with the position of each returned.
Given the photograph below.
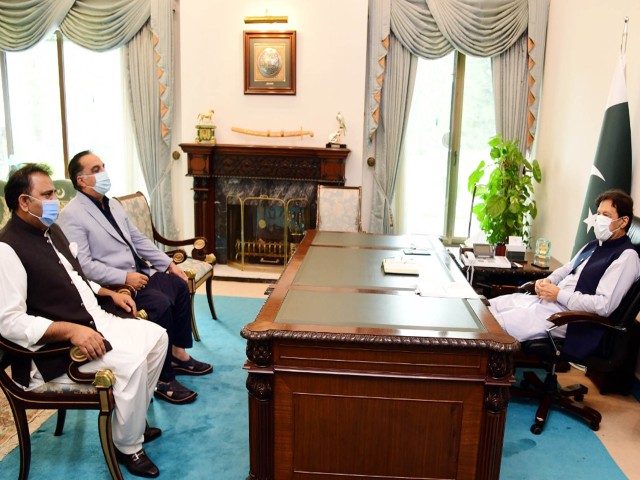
(401, 266)
(446, 290)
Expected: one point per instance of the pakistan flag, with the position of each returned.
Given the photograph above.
(612, 164)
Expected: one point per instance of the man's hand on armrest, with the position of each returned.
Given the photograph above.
(125, 302)
(91, 342)
(177, 271)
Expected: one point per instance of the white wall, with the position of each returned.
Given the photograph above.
(331, 58)
(583, 46)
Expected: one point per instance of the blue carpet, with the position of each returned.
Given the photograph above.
(208, 439)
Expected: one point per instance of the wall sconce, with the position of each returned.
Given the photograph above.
(266, 18)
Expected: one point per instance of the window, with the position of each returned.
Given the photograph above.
(451, 119)
(49, 124)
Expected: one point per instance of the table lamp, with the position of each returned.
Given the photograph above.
(542, 256)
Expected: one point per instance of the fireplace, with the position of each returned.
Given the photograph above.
(228, 176)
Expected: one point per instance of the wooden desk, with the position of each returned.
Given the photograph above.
(492, 282)
(353, 375)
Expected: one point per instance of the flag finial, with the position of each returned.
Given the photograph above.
(623, 43)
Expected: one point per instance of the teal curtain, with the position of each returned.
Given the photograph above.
(100, 25)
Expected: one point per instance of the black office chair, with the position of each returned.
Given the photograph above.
(618, 331)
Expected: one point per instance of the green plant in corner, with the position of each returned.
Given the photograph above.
(506, 201)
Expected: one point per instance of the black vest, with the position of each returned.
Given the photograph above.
(50, 291)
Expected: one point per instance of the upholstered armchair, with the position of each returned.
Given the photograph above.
(198, 267)
(339, 209)
(92, 392)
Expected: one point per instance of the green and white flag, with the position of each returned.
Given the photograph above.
(612, 164)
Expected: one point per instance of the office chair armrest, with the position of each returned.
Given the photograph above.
(564, 318)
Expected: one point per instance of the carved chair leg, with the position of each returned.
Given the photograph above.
(194, 327)
(212, 309)
(62, 415)
(24, 440)
(104, 431)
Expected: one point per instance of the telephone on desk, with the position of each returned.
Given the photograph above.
(470, 260)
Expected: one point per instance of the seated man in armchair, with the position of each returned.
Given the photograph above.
(45, 298)
(111, 250)
(594, 281)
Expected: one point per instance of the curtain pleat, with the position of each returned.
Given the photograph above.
(23, 23)
(510, 89)
(152, 150)
(101, 26)
(430, 29)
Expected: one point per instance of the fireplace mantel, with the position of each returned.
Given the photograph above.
(209, 165)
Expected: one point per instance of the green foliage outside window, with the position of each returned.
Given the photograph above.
(505, 200)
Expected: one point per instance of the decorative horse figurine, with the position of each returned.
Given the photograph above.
(206, 118)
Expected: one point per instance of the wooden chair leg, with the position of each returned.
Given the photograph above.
(210, 299)
(104, 431)
(24, 440)
(62, 415)
(194, 327)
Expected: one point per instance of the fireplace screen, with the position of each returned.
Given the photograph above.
(265, 230)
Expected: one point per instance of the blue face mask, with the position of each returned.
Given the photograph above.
(49, 211)
(103, 183)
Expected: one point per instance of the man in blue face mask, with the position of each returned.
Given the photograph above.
(595, 280)
(112, 251)
(46, 298)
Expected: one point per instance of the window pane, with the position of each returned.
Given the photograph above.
(97, 114)
(423, 178)
(478, 126)
(35, 105)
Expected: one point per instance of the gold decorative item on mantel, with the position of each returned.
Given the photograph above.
(205, 128)
(273, 133)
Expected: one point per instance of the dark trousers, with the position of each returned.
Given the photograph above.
(167, 301)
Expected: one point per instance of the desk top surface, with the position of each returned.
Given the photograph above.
(334, 287)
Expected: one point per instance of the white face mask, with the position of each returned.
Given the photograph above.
(602, 228)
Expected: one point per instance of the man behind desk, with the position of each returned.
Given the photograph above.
(595, 280)
(45, 298)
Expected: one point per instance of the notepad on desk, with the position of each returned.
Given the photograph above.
(401, 266)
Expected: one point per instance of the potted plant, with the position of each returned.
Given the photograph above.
(506, 201)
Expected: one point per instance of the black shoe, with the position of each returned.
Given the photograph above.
(191, 366)
(151, 433)
(174, 392)
(138, 464)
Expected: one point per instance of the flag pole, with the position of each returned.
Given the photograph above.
(623, 42)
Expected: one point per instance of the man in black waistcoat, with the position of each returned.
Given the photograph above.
(45, 298)
(595, 281)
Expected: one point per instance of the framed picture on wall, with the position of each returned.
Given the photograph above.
(270, 63)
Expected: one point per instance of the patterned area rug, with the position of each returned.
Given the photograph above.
(8, 435)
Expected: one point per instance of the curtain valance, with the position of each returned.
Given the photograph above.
(93, 24)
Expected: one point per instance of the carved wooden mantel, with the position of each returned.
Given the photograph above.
(209, 163)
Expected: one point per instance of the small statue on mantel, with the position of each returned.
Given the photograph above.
(205, 128)
(335, 139)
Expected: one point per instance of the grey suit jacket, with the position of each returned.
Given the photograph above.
(104, 256)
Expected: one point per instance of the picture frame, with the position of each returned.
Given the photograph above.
(270, 62)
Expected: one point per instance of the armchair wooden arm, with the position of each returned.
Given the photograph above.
(564, 318)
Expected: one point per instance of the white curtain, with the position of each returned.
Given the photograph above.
(431, 29)
(99, 26)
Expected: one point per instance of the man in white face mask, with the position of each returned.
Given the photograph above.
(113, 251)
(595, 280)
